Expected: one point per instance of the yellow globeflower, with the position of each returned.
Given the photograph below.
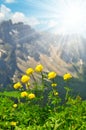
(29, 71)
(39, 68)
(56, 93)
(13, 123)
(24, 94)
(53, 84)
(51, 75)
(67, 76)
(25, 79)
(15, 105)
(31, 95)
(17, 85)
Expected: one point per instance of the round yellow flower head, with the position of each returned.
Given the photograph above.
(24, 94)
(15, 105)
(17, 85)
(29, 71)
(51, 75)
(53, 84)
(13, 123)
(25, 79)
(67, 76)
(56, 93)
(31, 96)
(39, 68)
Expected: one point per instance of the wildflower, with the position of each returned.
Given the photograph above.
(17, 85)
(24, 94)
(15, 105)
(39, 68)
(29, 71)
(67, 76)
(51, 75)
(13, 123)
(53, 84)
(31, 95)
(56, 93)
(25, 79)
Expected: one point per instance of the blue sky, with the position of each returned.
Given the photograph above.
(46, 15)
(37, 13)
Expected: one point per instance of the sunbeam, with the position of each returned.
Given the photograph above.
(69, 15)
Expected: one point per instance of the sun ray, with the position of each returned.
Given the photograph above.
(69, 15)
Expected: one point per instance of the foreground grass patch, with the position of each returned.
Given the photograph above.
(14, 94)
(69, 116)
(40, 107)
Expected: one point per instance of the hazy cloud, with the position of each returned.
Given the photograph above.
(16, 17)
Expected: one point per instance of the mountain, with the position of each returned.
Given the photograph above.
(19, 43)
(21, 47)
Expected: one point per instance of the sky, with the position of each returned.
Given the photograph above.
(57, 16)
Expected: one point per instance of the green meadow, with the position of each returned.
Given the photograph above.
(45, 104)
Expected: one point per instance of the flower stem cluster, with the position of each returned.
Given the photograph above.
(32, 92)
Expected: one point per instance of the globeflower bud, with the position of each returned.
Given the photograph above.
(25, 79)
(67, 76)
(31, 96)
(17, 85)
(29, 71)
(51, 75)
(24, 94)
(39, 68)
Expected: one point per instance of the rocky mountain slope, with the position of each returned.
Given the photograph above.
(22, 47)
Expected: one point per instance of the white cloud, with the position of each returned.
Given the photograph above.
(20, 17)
(5, 13)
(16, 17)
(4, 9)
(9, 1)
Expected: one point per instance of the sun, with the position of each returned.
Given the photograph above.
(67, 17)
(73, 19)
(61, 16)
(73, 16)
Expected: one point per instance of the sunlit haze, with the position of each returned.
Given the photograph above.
(73, 19)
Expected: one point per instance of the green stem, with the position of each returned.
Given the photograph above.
(34, 81)
(34, 78)
(42, 79)
(67, 93)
